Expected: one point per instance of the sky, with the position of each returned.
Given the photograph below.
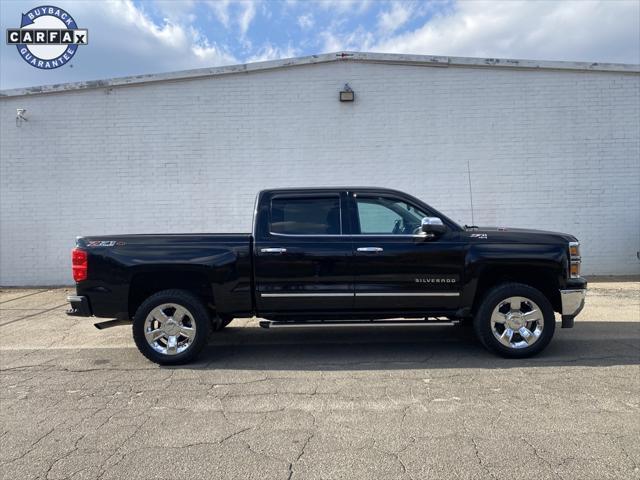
(131, 37)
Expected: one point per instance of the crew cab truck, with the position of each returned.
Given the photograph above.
(330, 257)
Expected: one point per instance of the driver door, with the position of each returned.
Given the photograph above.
(399, 270)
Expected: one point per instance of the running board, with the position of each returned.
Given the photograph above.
(111, 323)
(362, 323)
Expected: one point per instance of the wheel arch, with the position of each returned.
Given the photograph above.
(544, 279)
(144, 284)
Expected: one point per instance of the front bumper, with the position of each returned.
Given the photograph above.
(79, 306)
(572, 304)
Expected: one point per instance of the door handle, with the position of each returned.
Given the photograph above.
(370, 249)
(273, 250)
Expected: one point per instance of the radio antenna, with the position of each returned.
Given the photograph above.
(473, 222)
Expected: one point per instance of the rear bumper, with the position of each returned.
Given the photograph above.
(572, 305)
(79, 306)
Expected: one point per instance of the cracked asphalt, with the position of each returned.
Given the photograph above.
(388, 403)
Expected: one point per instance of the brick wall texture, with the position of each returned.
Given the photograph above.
(548, 149)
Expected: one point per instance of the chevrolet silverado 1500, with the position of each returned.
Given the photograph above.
(330, 257)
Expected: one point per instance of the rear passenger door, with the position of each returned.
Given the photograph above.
(303, 256)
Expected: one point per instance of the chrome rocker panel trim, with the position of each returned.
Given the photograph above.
(361, 294)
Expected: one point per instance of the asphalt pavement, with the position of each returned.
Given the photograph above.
(385, 403)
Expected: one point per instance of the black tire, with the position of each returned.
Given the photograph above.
(482, 320)
(197, 311)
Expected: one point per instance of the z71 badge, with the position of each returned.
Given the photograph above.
(104, 243)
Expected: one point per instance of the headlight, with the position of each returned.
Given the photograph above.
(574, 259)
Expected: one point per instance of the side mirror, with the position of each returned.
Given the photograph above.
(433, 226)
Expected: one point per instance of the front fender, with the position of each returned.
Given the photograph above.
(541, 265)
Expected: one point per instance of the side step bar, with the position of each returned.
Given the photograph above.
(111, 323)
(362, 323)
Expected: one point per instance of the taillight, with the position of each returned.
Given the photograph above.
(79, 262)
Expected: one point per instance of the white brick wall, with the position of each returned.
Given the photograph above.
(547, 149)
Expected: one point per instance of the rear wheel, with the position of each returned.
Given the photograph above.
(171, 327)
(515, 320)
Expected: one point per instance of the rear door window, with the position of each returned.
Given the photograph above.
(306, 215)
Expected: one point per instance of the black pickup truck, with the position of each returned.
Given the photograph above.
(330, 257)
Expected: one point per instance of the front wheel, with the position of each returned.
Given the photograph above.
(515, 321)
(171, 327)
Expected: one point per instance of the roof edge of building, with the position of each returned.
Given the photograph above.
(388, 58)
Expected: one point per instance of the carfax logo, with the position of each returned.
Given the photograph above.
(48, 37)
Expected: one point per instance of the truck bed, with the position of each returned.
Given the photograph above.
(120, 264)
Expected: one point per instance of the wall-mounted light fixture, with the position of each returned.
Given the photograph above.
(347, 94)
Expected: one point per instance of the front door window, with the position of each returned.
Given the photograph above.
(388, 216)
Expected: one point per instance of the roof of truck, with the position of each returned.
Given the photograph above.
(332, 189)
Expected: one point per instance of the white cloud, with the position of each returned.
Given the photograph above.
(336, 40)
(170, 34)
(175, 10)
(272, 52)
(246, 16)
(305, 21)
(125, 40)
(391, 20)
(208, 53)
(220, 9)
(604, 30)
(343, 6)
(183, 40)
(235, 13)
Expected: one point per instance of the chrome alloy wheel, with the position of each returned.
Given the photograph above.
(517, 322)
(170, 329)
